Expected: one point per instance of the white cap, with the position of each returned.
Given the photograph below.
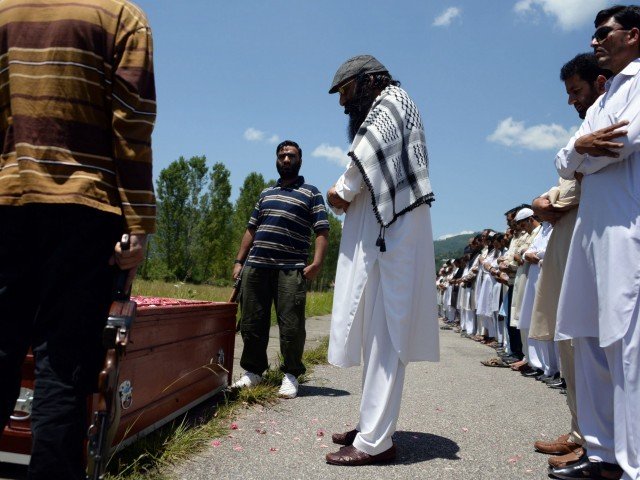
(523, 214)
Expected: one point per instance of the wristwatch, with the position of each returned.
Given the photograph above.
(238, 261)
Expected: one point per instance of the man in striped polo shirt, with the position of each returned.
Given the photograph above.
(77, 108)
(274, 251)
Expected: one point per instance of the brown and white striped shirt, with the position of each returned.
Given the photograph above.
(77, 107)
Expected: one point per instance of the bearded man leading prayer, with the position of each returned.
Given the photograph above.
(384, 307)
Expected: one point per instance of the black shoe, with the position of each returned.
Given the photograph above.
(554, 379)
(584, 468)
(534, 372)
(509, 359)
(563, 391)
(558, 385)
(543, 377)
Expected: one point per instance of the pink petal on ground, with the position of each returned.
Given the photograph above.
(216, 443)
(273, 449)
(297, 439)
(320, 433)
(238, 448)
(324, 446)
(314, 420)
(234, 426)
(465, 430)
(438, 409)
(278, 433)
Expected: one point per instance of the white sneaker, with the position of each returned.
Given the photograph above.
(247, 379)
(289, 387)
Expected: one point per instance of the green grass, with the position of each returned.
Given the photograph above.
(178, 441)
(318, 303)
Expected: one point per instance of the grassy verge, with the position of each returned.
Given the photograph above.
(181, 439)
(318, 303)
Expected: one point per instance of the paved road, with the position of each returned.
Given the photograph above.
(459, 420)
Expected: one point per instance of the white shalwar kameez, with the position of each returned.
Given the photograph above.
(486, 304)
(599, 298)
(384, 307)
(541, 354)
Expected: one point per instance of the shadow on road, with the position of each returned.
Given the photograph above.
(314, 391)
(414, 447)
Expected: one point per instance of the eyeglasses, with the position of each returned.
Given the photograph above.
(602, 33)
(343, 87)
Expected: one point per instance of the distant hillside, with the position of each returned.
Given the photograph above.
(451, 247)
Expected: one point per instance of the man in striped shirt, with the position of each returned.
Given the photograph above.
(274, 252)
(77, 108)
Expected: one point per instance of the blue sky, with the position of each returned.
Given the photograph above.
(234, 78)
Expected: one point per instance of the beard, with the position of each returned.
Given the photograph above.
(356, 119)
(290, 172)
(358, 109)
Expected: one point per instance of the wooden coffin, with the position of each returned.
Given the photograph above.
(180, 353)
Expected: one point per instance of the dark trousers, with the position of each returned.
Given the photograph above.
(55, 292)
(515, 342)
(287, 290)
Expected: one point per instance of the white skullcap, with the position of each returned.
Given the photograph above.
(523, 214)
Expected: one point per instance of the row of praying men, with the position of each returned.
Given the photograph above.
(558, 293)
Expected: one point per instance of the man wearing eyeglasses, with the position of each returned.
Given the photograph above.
(599, 301)
(384, 307)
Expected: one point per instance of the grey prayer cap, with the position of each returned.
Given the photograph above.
(354, 66)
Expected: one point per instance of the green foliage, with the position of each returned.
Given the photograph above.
(179, 191)
(213, 250)
(325, 278)
(451, 247)
(246, 202)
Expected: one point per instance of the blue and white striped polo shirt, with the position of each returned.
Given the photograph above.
(283, 219)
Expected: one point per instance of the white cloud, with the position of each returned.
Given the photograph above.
(449, 235)
(570, 14)
(537, 137)
(253, 134)
(334, 154)
(446, 17)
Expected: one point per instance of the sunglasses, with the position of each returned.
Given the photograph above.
(602, 33)
(343, 87)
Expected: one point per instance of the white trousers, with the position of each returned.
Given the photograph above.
(487, 323)
(543, 355)
(451, 314)
(524, 338)
(608, 399)
(382, 375)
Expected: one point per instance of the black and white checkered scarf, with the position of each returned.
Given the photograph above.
(391, 152)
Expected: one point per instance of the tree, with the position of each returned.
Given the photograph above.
(179, 190)
(249, 193)
(214, 249)
(328, 273)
